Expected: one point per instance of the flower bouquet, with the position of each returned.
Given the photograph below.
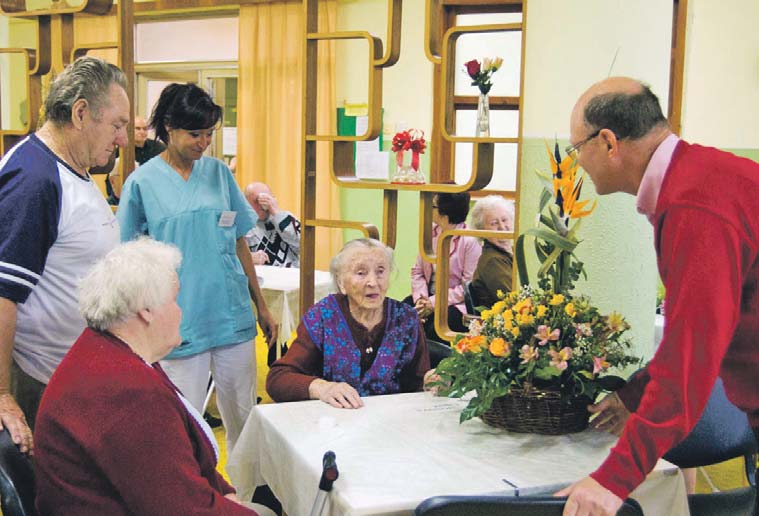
(556, 231)
(481, 75)
(534, 341)
(541, 354)
(411, 140)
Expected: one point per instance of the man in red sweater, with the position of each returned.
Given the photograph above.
(702, 204)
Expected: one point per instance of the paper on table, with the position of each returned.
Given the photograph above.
(370, 162)
(372, 165)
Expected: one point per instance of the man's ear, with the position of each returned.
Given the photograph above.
(78, 111)
(145, 315)
(610, 140)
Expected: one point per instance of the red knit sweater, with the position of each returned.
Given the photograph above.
(706, 236)
(112, 437)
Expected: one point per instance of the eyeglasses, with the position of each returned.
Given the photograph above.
(574, 150)
(434, 206)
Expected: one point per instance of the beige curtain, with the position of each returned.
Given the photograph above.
(270, 104)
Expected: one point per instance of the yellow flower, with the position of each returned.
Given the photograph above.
(499, 347)
(615, 322)
(462, 345)
(486, 314)
(477, 344)
(508, 316)
(557, 299)
(525, 319)
(500, 294)
(542, 309)
(523, 307)
(515, 331)
(498, 307)
(570, 309)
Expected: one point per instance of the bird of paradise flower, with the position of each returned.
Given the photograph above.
(555, 233)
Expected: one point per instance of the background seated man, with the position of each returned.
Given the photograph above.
(275, 239)
(355, 343)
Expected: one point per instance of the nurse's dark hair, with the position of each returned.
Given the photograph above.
(183, 106)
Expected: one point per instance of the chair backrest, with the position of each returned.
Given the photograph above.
(722, 433)
(438, 351)
(504, 506)
(16, 479)
(468, 301)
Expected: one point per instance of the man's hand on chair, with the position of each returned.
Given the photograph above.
(12, 418)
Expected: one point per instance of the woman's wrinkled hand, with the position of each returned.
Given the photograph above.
(431, 377)
(337, 394)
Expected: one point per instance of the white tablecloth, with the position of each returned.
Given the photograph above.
(398, 450)
(280, 287)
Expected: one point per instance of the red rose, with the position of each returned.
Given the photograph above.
(472, 68)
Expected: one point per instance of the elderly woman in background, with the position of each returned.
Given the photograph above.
(193, 202)
(449, 211)
(355, 343)
(114, 435)
(494, 269)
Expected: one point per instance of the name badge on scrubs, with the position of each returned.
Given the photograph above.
(227, 218)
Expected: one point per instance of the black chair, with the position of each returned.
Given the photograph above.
(16, 479)
(504, 506)
(438, 351)
(468, 301)
(722, 433)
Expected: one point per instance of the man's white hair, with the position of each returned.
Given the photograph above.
(134, 276)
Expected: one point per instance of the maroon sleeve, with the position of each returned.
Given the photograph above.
(700, 256)
(632, 392)
(290, 376)
(412, 376)
(158, 444)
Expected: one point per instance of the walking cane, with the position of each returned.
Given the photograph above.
(329, 475)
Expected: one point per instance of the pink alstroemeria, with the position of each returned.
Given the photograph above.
(599, 364)
(545, 334)
(528, 353)
(559, 358)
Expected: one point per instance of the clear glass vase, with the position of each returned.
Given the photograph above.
(483, 116)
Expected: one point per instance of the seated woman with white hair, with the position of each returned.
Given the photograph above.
(495, 266)
(114, 435)
(355, 343)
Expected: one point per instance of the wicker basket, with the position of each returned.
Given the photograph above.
(538, 412)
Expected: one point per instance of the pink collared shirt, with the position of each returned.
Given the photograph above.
(653, 177)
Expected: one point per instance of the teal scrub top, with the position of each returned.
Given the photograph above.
(213, 289)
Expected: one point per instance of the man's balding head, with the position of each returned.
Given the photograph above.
(140, 131)
(623, 105)
(252, 191)
(616, 125)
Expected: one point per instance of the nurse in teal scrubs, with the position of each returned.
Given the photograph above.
(192, 201)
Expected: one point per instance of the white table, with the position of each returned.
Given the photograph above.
(398, 450)
(280, 287)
